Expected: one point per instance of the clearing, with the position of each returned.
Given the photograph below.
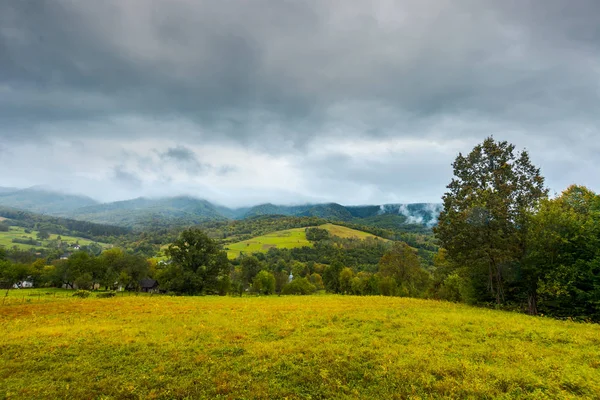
(289, 347)
(17, 232)
(289, 239)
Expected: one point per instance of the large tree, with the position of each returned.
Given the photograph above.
(197, 264)
(485, 219)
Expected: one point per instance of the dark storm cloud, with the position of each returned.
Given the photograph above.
(293, 67)
(279, 77)
(125, 177)
(185, 158)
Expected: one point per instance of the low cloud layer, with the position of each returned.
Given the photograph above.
(241, 102)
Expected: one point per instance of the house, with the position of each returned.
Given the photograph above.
(27, 283)
(149, 285)
(65, 256)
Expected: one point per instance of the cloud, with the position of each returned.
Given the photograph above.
(126, 177)
(183, 158)
(287, 81)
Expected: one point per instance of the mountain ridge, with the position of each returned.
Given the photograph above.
(183, 210)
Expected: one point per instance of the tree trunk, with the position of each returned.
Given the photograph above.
(532, 302)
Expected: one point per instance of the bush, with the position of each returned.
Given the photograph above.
(105, 295)
(299, 286)
(82, 294)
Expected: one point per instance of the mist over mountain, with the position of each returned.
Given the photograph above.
(141, 213)
(41, 200)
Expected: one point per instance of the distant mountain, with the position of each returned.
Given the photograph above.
(7, 189)
(43, 201)
(329, 211)
(143, 212)
(417, 213)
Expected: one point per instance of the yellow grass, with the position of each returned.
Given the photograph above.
(348, 233)
(290, 347)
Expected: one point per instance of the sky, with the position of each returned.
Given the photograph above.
(244, 102)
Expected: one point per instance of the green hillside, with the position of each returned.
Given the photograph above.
(143, 213)
(347, 233)
(289, 239)
(19, 233)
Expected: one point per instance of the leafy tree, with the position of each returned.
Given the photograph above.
(197, 264)
(401, 264)
(331, 277)
(485, 219)
(264, 283)
(43, 234)
(72, 269)
(563, 261)
(251, 266)
(11, 274)
(299, 286)
(345, 280)
(317, 281)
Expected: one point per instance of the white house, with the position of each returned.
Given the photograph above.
(23, 284)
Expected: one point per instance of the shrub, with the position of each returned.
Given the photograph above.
(105, 295)
(299, 286)
(82, 294)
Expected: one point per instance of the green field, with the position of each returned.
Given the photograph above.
(17, 232)
(348, 233)
(290, 347)
(289, 239)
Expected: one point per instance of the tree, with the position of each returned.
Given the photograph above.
(43, 234)
(251, 266)
(563, 260)
(485, 219)
(331, 276)
(197, 264)
(401, 265)
(264, 283)
(11, 274)
(345, 280)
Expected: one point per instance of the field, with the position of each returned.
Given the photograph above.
(289, 238)
(347, 233)
(289, 347)
(17, 232)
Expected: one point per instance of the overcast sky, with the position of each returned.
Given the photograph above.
(242, 102)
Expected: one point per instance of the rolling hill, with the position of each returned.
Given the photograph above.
(43, 201)
(27, 239)
(289, 239)
(143, 212)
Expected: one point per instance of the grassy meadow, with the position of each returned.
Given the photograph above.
(347, 233)
(289, 347)
(289, 239)
(17, 232)
(286, 239)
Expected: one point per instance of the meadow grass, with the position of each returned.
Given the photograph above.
(290, 347)
(286, 239)
(289, 239)
(17, 232)
(348, 233)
